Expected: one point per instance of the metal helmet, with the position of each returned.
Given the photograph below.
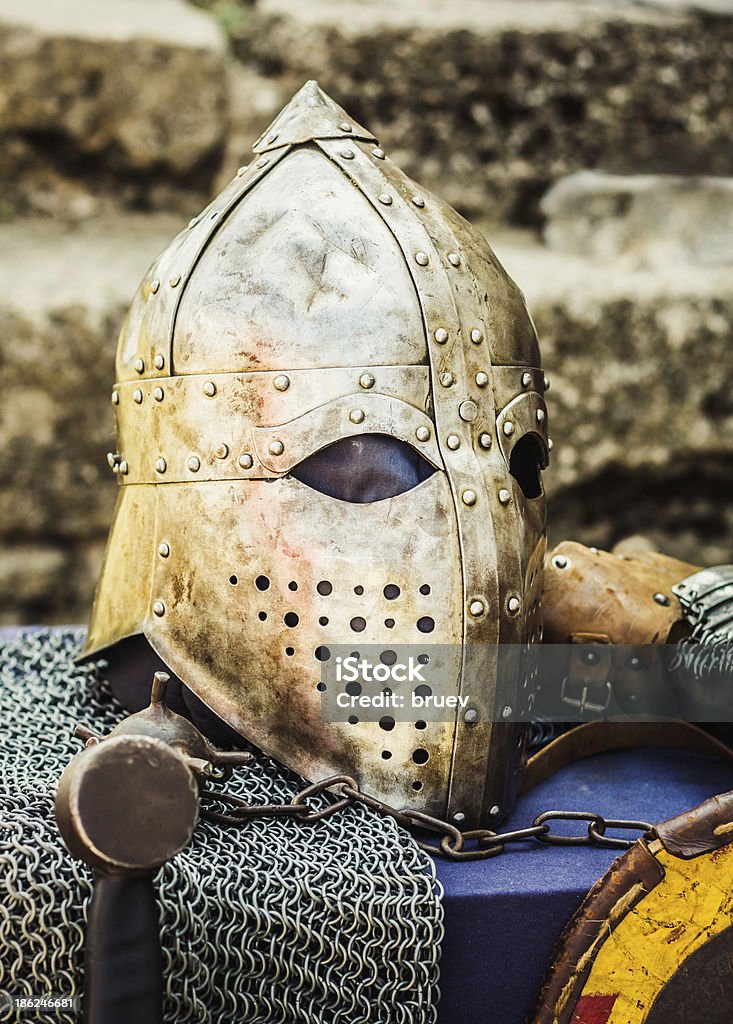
(324, 306)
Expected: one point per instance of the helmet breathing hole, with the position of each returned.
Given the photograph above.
(359, 590)
(353, 689)
(262, 583)
(324, 588)
(388, 657)
(321, 687)
(425, 589)
(419, 724)
(386, 722)
(290, 651)
(423, 690)
(322, 653)
(354, 654)
(389, 623)
(386, 754)
(323, 621)
(233, 580)
(420, 756)
(291, 619)
(423, 659)
(353, 720)
(292, 585)
(426, 624)
(391, 591)
(358, 624)
(262, 616)
(417, 785)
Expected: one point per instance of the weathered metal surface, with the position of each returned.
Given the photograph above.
(325, 296)
(129, 801)
(626, 950)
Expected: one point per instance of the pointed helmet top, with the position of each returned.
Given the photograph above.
(310, 114)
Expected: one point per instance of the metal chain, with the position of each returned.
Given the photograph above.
(454, 844)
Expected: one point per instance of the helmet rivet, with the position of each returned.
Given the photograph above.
(504, 496)
(245, 461)
(540, 415)
(113, 459)
(194, 463)
(469, 497)
(477, 336)
(485, 440)
(160, 465)
(345, 127)
(271, 137)
(454, 259)
(277, 448)
(159, 362)
(378, 153)
(477, 608)
(139, 365)
(281, 382)
(175, 281)
(459, 816)
(356, 415)
(262, 162)
(154, 286)
(209, 389)
(137, 396)
(242, 170)
(526, 379)
(453, 441)
(441, 335)
(115, 398)
(513, 605)
(560, 562)
(482, 379)
(422, 433)
(418, 201)
(508, 428)
(494, 811)
(347, 154)
(385, 199)
(367, 380)
(506, 712)
(158, 608)
(446, 378)
(124, 468)
(471, 716)
(468, 411)
(546, 382)
(421, 259)
(193, 222)
(221, 451)
(164, 550)
(158, 394)
(661, 599)
(550, 444)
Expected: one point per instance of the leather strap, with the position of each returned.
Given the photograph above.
(601, 737)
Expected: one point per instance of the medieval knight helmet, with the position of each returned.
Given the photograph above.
(331, 424)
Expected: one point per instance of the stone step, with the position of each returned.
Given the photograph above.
(488, 101)
(640, 406)
(108, 99)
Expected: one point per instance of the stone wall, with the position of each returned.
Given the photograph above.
(117, 121)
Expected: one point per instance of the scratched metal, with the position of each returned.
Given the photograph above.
(325, 296)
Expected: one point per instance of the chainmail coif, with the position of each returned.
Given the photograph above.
(336, 922)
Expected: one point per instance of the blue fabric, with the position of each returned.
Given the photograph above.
(503, 916)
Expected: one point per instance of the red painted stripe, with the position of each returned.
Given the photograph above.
(593, 1009)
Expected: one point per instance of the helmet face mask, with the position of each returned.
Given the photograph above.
(331, 424)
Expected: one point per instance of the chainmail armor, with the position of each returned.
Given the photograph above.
(339, 921)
